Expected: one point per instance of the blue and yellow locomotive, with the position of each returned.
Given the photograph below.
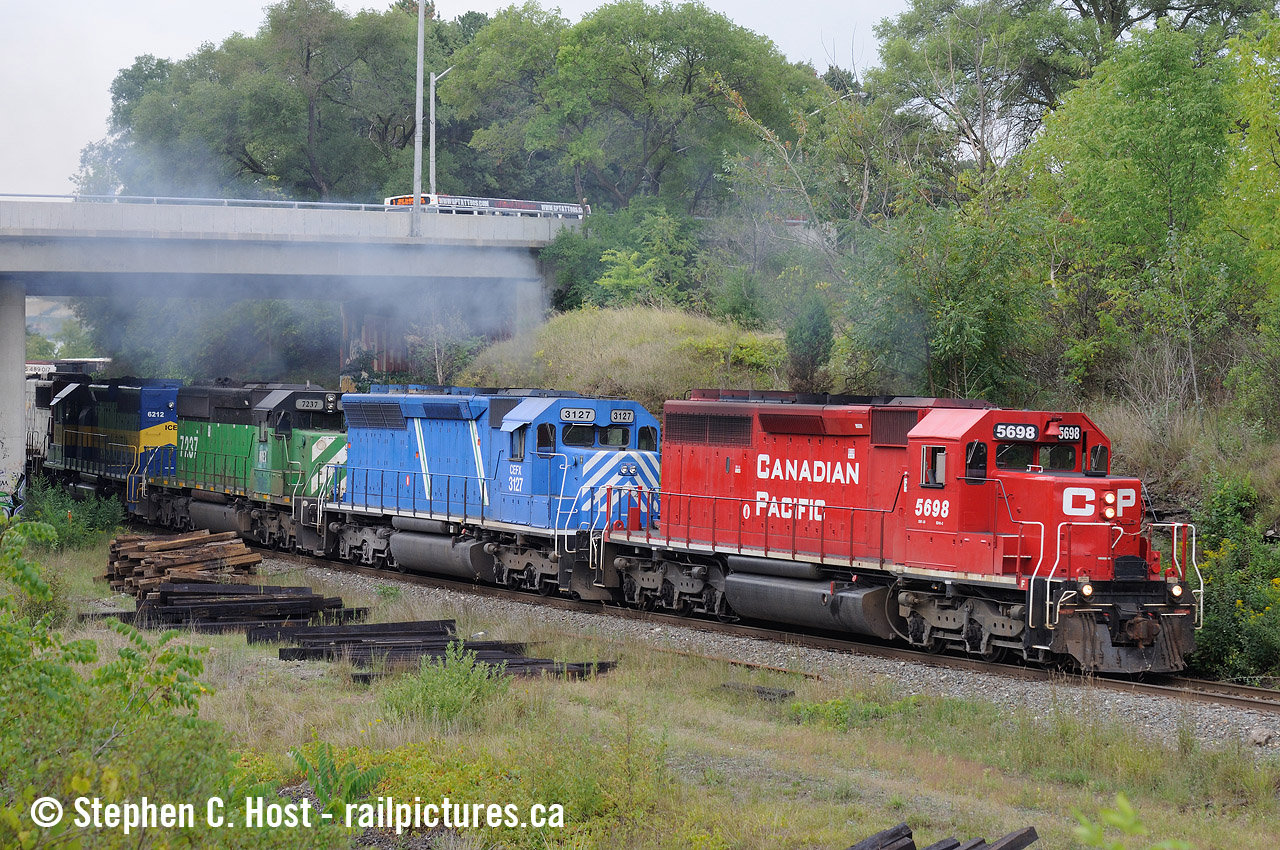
(110, 437)
(491, 485)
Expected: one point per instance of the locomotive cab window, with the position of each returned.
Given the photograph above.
(518, 438)
(933, 466)
(581, 436)
(1015, 455)
(613, 436)
(546, 438)
(1060, 457)
(647, 439)
(1098, 460)
(975, 462)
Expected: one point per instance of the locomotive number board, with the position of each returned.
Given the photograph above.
(1069, 433)
(1018, 432)
(622, 417)
(577, 414)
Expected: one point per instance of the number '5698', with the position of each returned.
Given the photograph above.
(933, 507)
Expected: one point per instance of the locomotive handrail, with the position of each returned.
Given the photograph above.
(1182, 574)
(347, 497)
(1049, 608)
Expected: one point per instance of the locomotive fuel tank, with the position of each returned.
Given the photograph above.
(819, 605)
(437, 553)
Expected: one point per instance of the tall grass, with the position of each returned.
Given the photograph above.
(1178, 452)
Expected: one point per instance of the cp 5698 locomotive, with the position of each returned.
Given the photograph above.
(939, 523)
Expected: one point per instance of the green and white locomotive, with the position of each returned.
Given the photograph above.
(245, 459)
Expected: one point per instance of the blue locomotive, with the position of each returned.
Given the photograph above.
(505, 487)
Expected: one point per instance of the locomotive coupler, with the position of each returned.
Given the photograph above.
(1142, 630)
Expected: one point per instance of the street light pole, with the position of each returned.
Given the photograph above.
(435, 77)
(415, 225)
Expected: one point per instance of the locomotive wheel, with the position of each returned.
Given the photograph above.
(544, 588)
(995, 655)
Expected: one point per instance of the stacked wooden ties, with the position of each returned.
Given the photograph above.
(139, 564)
(388, 646)
(231, 607)
(899, 838)
(205, 582)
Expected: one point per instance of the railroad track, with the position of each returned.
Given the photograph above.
(1262, 700)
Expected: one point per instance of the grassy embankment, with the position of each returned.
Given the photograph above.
(657, 754)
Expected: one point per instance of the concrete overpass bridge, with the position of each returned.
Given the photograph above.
(142, 248)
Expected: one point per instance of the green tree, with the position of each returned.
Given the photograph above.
(988, 70)
(624, 98)
(74, 340)
(203, 339)
(955, 300)
(40, 347)
(809, 340)
(1135, 160)
(318, 104)
(1255, 161)
(1115, 18)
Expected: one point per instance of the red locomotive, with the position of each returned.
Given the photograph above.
(936, 522)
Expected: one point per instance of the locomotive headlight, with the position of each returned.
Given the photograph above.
(1109, 498)
(1109, 512)
(1086, 589)
(1176, 591)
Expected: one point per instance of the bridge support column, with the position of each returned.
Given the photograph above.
(13, 358)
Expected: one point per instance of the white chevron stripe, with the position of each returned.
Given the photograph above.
(422, 458)
(475, 452)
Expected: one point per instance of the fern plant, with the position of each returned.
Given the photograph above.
(334, 785)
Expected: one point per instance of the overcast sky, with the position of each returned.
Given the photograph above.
(57, 60)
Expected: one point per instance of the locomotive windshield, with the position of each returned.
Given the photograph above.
(1060, 457)
(603, 436)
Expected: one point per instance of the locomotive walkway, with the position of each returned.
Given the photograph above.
(173, 247)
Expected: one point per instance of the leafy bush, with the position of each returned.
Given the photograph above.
(1241, 569)
(644, 353)
(119, 730)
(55, 605)
(75, 524)
(450, 690)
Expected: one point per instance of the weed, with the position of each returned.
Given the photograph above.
(848, 712)
(336, 785)
(388, 593)
(1124, 820)
(76, 524)
(453, 690)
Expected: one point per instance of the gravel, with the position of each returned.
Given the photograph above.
(1156, 717)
